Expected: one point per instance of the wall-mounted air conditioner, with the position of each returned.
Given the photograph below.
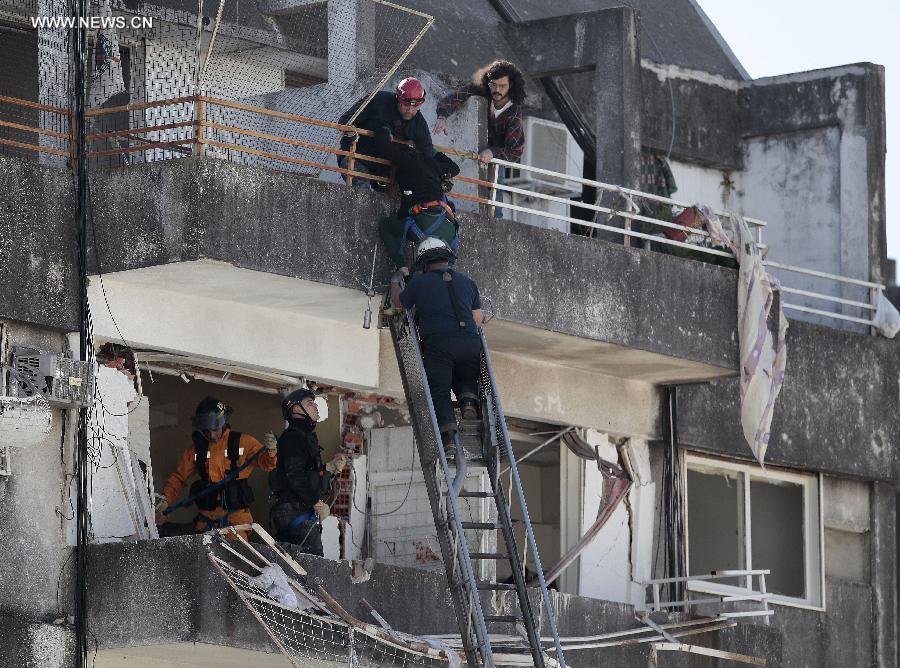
(548, 145)
(59, 379)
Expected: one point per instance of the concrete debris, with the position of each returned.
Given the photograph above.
(361, 571)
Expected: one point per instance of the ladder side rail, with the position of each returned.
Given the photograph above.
(518, 572)
(504, 515)
(517, 483)
(458, 592)
(470, 582)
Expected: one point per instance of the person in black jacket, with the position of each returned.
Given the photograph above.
(424, 209)
(397, 111)
(300, 482)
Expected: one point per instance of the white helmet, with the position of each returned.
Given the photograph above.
(432, 249)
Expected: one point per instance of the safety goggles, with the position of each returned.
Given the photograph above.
(412, 101)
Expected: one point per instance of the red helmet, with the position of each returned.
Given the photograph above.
(410, 91)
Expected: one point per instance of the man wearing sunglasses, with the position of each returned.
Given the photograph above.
(398, 112)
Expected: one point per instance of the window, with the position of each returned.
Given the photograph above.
(742, 517)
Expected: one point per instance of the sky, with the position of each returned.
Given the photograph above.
(771, 37)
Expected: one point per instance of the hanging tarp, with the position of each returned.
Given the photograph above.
(762, 327)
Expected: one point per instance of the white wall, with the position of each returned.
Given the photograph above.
(619, 558)
(703, 185)
(402, 522)
(120, 501)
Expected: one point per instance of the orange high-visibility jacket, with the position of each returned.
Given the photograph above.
(218, 466)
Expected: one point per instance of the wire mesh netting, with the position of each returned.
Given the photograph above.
(34, 92)
(267, 60)
(297, 58)
(315, 636)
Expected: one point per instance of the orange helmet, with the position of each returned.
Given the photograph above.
(411, 92)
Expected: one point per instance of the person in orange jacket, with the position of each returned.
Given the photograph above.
(217, 452)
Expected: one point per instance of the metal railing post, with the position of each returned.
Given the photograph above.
(495, 173)
(351, 163)
(200, 127)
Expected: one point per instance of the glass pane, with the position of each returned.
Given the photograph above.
(776, 515)
(713, 521)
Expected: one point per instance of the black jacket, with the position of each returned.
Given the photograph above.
(299, 476)
(419, 176)
(382, 112)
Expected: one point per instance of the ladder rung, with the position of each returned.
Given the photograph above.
(496, 586)
(477, 495)
(502, 618)
(486, 555)
(481, 525)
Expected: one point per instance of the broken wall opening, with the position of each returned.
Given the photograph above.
(540, 475)
(172, 403)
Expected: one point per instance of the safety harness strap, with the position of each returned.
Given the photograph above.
(234, 448)
(418, 233)
(454, 299)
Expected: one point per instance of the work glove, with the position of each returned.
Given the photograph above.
(160, 508)
(383, 134)
(350, 134)
(337, 464)
(321, 510)
(270, 440)
(400, 275)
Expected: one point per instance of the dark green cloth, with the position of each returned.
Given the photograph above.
(391, 229)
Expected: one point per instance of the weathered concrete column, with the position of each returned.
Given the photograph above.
(883, 567)
(605, 42)
(617, 94)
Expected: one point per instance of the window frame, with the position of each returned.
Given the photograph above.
(813, 526)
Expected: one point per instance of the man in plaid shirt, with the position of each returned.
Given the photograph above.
(503, 84)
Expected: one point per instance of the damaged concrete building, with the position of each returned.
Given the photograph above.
(224, 261)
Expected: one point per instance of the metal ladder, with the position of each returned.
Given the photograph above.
(493, 441)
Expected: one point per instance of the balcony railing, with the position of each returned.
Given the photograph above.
(200, 125)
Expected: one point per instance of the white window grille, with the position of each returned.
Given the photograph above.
(741, 517)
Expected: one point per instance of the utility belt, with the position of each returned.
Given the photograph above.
(235, 495)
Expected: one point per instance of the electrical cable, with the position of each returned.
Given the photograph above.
(112, 317)
(79, 43)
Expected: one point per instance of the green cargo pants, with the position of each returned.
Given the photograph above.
(391, 229)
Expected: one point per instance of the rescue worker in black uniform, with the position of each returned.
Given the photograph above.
(300, 482)
(448, 311)
(424, 209)
(398, 111)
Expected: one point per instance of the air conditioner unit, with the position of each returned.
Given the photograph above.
(62, 381)
(548, 145)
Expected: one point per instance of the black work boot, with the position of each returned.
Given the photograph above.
(468, 408)
(448, 441)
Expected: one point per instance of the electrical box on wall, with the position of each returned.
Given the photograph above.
(62, 381)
